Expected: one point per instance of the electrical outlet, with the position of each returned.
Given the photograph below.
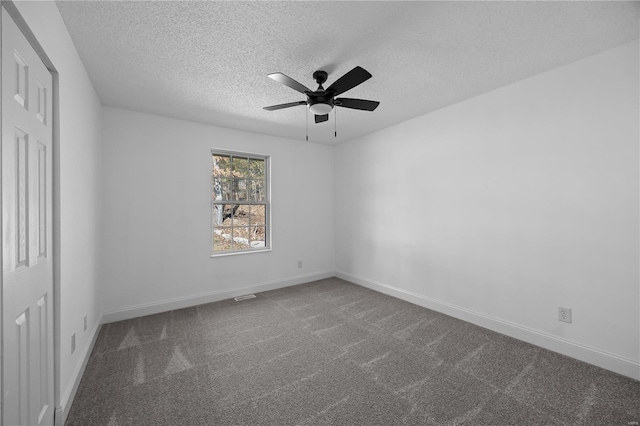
(564, 314)
(85, 323)
(73, 342)
(299, 264)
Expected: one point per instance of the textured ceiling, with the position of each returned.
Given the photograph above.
(208, 61)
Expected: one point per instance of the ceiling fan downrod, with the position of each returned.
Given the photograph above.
(320, 77)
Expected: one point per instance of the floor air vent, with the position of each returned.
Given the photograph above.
(245, 297)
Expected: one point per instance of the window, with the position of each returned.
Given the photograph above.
(239, 202)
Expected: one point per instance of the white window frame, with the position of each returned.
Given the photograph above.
(266, 202)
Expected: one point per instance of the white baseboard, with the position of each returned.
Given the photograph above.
(608, 361)
(67, 396)
(185, 302)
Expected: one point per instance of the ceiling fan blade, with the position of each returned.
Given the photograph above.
(281, 106)
(288, 81)
(361, 104)
(322, 118)
(349, 80)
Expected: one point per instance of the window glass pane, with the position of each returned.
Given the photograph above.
(257, 237)
(240, 167)
(228, 214)
(249, 190)
(217, 214)
(239, 189)
(256, 169)
(221, 239)
(218, 184)
(258, 215)
(227, 188)
(241, 238)
(241, 215)
(221, 165)
(256, 190)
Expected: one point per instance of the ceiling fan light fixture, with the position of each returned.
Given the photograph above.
(320, 108)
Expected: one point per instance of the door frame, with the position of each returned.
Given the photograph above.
(14, 13)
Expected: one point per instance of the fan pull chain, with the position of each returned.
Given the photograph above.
(335, 122)
(307, 116)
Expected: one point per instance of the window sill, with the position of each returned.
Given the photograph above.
(233, 253)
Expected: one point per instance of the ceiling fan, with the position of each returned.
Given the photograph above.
(322, 101)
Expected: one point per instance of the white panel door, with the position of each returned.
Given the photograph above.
(26, 232)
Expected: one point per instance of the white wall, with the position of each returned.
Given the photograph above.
(76, 216)
(157, 219)
(505, 206)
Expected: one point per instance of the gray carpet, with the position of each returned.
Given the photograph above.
(334, 353)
